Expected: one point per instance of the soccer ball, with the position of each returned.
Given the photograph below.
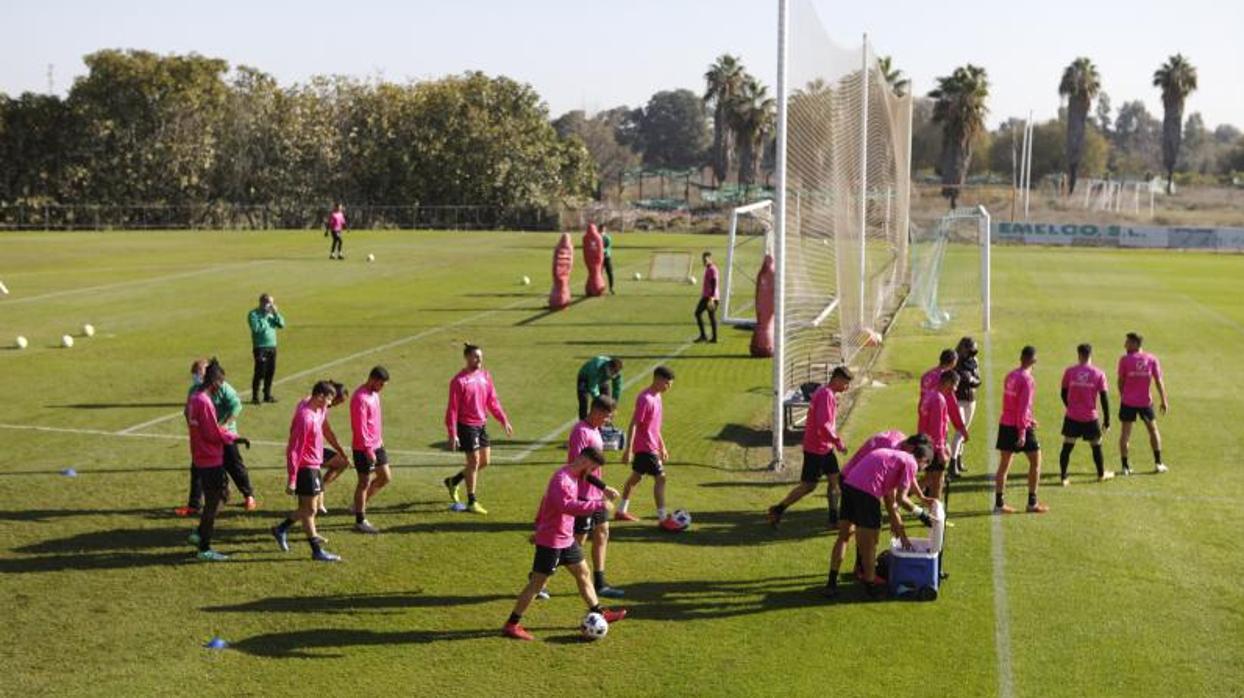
(21, 342)
(88, 330)
(4, 290)
(66, 341)
(638, 276)
(371, 257)
(691, 280)
(594, 626)
(526, 280)
(682, 517)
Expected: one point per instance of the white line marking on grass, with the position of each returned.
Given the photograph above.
(123, 284)
(345, 359)
(1001, 615)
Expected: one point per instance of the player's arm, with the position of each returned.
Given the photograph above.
(896, 521)
(494, 406)
(276, 319)
(297, 434)
(1157, 378)
(615, 385)
(451, 416)
(1105, 409)
(956, 416)
(331, 438)
(630, 438)
(257, 320)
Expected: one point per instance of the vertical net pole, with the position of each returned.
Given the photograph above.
(779, 239)
(734, 229)
(985, 265)
(863, 179)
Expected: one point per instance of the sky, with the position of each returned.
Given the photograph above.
(595, 55)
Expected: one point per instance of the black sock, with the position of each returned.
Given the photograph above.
(1157, 456)
(514, 618)
(359, 517)
(316, 547)
(1125, 465)
(470, 497)
(598, 579)
(833, 578)
(1099, 460)
(997, 499)
(457, 478)
(205, 542)
(1032, 499)
(596, 609)
(285, 525)
(1064, 459)
(779, 508)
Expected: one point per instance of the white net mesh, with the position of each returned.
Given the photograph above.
(946, 271)
(670, 266)
(751, 238)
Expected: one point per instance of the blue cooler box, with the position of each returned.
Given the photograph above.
(912, 569)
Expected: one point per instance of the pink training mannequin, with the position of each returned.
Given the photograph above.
(563, 263)
(762, 334)
(594, 260)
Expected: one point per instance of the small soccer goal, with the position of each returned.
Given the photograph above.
(751, 238)
(670, 266)
(950, 271)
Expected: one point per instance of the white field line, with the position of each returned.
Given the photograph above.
(1001, 614)
(345, 359)
(124, 284)
(549, 437)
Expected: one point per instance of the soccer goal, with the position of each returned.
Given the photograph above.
(950, 271)
(670, 266)
(751, 238)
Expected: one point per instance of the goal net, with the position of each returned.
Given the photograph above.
(670, 266)
(950, 271)
(751, 238)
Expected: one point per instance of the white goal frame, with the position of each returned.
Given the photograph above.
(731, 315)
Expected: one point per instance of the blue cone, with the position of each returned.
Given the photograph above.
(216, 644)
(69, 472)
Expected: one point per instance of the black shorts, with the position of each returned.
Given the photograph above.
(938, 464)
(212, 479)
(1089, 431)
(327, 456)
(360, 460)
(309, 482)
(1129, 414)
(647, 464)
(1008, 436)
(548, 559)
(817, 464)
(471, 439)
(860, 508)
(585, 524)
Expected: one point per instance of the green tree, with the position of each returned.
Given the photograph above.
(673, 130)
(723, 79)
(1177, 79)
(893, 76)
(959, 108)
(752, 119)
(599, 134)
(1079, 85)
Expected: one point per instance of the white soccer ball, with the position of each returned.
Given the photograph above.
(526, 280)
(594, 626)
(691, 280)
(638, 276)
(371, 257)
(88, 330)
(21, 342)
(4, 290)
(682, 517)
(66, 341)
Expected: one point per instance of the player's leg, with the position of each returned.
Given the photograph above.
(360, 497)
(585, 398)
(194, 500)
(798, 492)
(624, 503)
(269, 374)
(967, 410)
(1127, 419)
(833, 490)
(600, 548)
(380, 478)
(609, 272)
(699, 318)
(1034, 477)
(1099, 460)
(236, 468)
(482, 458)
(658, 495)
(845, 529)
(711, 306)
(1155, 440)
(1064, 459)
(1004, 465)
(866, 541)
(213, 480)
(260, 358)
(541, 569)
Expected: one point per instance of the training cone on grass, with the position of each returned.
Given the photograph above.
(216, 643)
(69, 472)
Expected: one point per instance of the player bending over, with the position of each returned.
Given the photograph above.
(1083, 384)
(644, 440)
(898, 441)
(303, 457)
(472, 397)
(208, 440)
(1136, 369)
(820, 439)
(555, 541)
(1017, 433)
(371, 461)
(600, 375)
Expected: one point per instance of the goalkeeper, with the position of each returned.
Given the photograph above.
(601, 375)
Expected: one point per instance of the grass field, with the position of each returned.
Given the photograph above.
(1125, 588)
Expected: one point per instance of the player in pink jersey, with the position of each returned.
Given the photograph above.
(335, 225)
(1136, 369)
(586, 434)
(936, 415)
(820, 440)
(896, 440)
(883, 475)
(335, 460)
(371, 461)
(555, 541)
(1083, 385)
(472, 397)
(708, 299)
(303, 457)
(1017, 432)
(644, 440)
(208, 439)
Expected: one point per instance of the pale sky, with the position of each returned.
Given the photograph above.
(595, 55)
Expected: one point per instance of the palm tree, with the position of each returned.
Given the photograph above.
(752, 117)
(959, 106)
(1080, 85)
(893, 76)
(724, 79)
(1177, 78)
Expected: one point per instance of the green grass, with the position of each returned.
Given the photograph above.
(1126, 588)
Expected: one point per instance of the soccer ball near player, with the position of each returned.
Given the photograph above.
(594, 626)
(66, 341)
(526, 280)
(371, 257)
(21, 342)
(638, 276)
(682, 517)
(691, 279)
(88, 330)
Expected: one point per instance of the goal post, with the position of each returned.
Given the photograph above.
(751, 238)
(951, 271)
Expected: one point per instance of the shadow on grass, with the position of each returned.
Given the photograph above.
(547, 312)
(732, 529)
(704, 599)
(746, 436)
(353, 603)
(463, 523)
(113, 561)
(328, 642)
(48, 515)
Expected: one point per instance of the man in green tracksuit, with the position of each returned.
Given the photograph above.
(264, 321)
(601, 375)
(608, 240)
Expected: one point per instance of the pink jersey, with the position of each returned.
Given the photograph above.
(472, 397)
(336, 221)
(1018, 391)
(882, 472)
(709, 289)
(306, 440)
(647, 421)
(207, 437)
(365, 420)
(561, 503)
(934, 418)
(819, 434)
(885, 439)
(1083, 382)
(583, 436)
(929, 382)
(1135, 370)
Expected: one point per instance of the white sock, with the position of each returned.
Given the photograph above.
(623, 505)
(660, 514)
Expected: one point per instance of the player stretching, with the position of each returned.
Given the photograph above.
(555, 542)
(820, 438)
(708, 299)
(335, 224)
(644, 440)
(1083, 384)
(883, 474)
(371, 462)
(335, 460)
(969, 380)
(303, 458)
(208, 440)
(1136, 368)
(600, 375)
(1017, 432)
(472, 397)
(936, 414)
